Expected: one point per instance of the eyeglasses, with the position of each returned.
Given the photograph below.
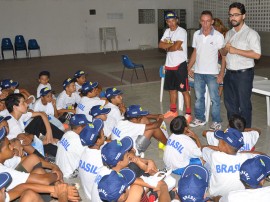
(235, 15)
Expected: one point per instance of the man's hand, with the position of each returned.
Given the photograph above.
(191, 72)
(191, 134)
(220, 77)
(151, 167)
(59, 173)
(227, 46)
(26, 139)
(48, 138)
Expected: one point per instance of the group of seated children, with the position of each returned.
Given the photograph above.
(93, 136)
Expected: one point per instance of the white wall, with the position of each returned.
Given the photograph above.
(65, 26)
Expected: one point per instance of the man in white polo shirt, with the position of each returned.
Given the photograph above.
(242, 47)
(206, 43)
(174, 41)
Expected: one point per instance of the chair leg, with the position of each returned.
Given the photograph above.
(122, 74)
(132, 75)
(136, 73)
(39, 53)
(26, 54)
(2, 54)
(15, 54)
(144, 73)
(29, 54)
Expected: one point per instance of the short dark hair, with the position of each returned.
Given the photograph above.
(72, 127)
(129, 118)
(44, 73)
(11, 100)
(110, 98)
(238, 5)
(206, 12)
(238, 122)
(178, 125)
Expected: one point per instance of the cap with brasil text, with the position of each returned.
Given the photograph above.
(98, 110)
(79, 73)
(110, 92)
(90, 133)
(78, 119)
(8, 83)
(170, 15)
(193, 184)
(231, 136)
(45, 91)
(254, 170)
(135, 111)
(67, 82)
(114, 151)
(88, 86)
(112, 186)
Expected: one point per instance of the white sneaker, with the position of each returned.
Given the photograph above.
(215, 126)
(197, 122)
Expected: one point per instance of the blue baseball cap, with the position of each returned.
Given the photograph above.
(2, 118)
(110, 92)
(254, 170)
(114, 151)
(193, 184)
(45, 91)
(231, 136)
(2, 133)
(67, 82)
(79, 73)
(8, 83)
(78, 119)
(90, 133)
(5, 180)
(170, 15)
(135, 111)
(112, 186)
(98, 110)
(88, 86)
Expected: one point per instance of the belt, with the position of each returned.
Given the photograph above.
(240, 71)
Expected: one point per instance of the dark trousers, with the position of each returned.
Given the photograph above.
(37, 126)
(237, 94)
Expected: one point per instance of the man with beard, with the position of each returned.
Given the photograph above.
(242, 47)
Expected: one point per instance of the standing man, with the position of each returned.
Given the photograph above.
(174, 41)
(242, 47)
(206, 43)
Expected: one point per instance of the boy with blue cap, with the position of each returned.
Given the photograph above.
(89, 99)
(174, 42)
(90, 162)
(224, 162)
(193, 184)
(70, 148)
(80, 80)
(68, 99)
(100, 112)
(253, 173)
(115, 98)
(43, 79)
(139, 127)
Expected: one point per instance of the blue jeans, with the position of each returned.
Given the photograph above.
(237, 94)
(200, 82)
(192, 161)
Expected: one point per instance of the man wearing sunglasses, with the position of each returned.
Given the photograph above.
(242, 46)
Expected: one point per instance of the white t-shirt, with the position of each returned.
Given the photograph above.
(65, 101)
(224, 170)
(250, 139)
(126, 128)
(68, 153)
(248, 195)
(113, 116)
(39, 107)
(89, 167)
(40, 86)
(86, 105)
(4, 113)
(179, 150)
(78, 87)
(17, 127)
(175, 58)
(17, 176)
(94, 194)
(207, 51)
(13, 162)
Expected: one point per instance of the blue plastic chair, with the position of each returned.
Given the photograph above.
(20, 44)
(6, 45)
(33, 45)
(130, 65)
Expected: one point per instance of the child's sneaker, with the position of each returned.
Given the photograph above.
(197, 122)
(188, 118)
(170, 114)
(215, 126)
